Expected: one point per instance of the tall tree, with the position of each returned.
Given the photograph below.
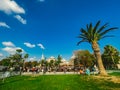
(6, 62)
(18, 56)
(20, 59)
(92, 34)
(42, 62)
(59, 58)
(111, 56)
(84, 57)
(52, 63)
(25, 57)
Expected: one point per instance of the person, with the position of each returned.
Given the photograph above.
(87, 71)
(81, 71)
(93, 70)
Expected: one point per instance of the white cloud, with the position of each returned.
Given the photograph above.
(29, 45)
(10, 47)
(8, 44)
(3, 24)
(12, 50)
(10, 6)
(41, 46)
(19, 18)
(32, 59)
(1, 55)
(41, 0)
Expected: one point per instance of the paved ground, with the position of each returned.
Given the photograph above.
(62, 73)
(7, 74)
(111, 71)
(51, 73)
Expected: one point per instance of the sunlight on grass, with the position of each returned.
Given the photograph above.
(58, 82)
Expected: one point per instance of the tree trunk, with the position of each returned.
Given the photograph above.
(96, 50)
(23, 65)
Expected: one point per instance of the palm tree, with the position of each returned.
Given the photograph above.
(110, 51)
(92, 35)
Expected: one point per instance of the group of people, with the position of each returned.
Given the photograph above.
(86, 71)
(82, 71)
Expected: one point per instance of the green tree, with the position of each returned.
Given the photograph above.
(110, 56)
(19, 51)
(59, 58)
(28, 64)
(76, 62)
(42, 62)
(52, 63)
(92, 35)
(25, 57)
(19, 58)
(6, 62)
(34, 63)
(84, 57)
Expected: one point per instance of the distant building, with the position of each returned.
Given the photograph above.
(51, 58)
(64, 62)
(71, 62)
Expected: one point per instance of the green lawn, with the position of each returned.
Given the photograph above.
(58, 82)
(115, 74)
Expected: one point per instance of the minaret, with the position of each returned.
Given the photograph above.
(42, 57)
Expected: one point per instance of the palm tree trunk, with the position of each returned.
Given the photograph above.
(97, 53)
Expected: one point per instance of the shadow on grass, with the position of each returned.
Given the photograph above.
(112, 84)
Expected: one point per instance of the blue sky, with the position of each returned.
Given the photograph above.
(53, 25)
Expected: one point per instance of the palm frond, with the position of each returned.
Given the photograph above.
(107, 36)
(104, 26)
(87, 26)
(81, 36)
(94, 34)
(83, 31)
(96, 26)
(83, 40)
(108, 30)
(90, 28)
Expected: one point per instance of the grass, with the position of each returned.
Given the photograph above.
(59, 82)
(115, 74)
